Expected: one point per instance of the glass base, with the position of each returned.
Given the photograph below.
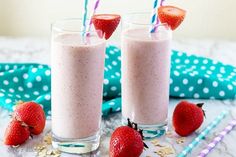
(150, 131)
(77, 146)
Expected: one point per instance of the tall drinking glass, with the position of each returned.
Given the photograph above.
(145, 73)
(77, 84)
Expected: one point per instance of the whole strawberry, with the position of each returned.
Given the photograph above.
(16, 133)
(127, 141)
(32, 115)
(187, 117)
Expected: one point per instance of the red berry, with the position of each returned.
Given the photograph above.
(31, 114)
(187, 118)
(127, 141)
(171, 15)
(106, 23)
(16, 133)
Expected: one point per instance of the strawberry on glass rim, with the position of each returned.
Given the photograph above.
(171, 15)
(106, 23)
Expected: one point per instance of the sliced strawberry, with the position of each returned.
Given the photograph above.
(171, 15)
(16, 133)
(31, 114)
(107, 23)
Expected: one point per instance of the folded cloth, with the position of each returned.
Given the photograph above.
(191, 77)
(199, 77)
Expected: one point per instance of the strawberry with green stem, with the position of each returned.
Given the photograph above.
(28, 118)
(127, 141)
(187, 117)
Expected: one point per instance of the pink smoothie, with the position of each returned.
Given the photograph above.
(145, 75)
(77, 84)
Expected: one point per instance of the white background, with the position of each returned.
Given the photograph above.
(205, 18)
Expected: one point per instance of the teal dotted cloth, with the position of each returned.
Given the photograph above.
(199, 77)
(26, 82)
(191, 77)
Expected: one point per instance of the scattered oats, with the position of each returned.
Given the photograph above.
(169, 150)
(45, 149)
(159, 145)
(160, 153)
(56, 152)
(48, 139)
(169, 134)
(49, 152)
(40, 147)
(155, 142)
(165, 151)
(180, 140)
(42, 153)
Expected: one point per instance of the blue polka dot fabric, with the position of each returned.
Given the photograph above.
(191, 77)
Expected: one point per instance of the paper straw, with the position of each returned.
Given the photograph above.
(162, 1)
(218, 139)
(203, 134)
(85, 12)
(154, 20)
(93, 13)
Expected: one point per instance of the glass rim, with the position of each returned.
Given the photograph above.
(56, 25)
(126, 16)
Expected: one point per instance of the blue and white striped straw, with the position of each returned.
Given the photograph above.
(85, 13)
(203, 134)
(154, 20)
